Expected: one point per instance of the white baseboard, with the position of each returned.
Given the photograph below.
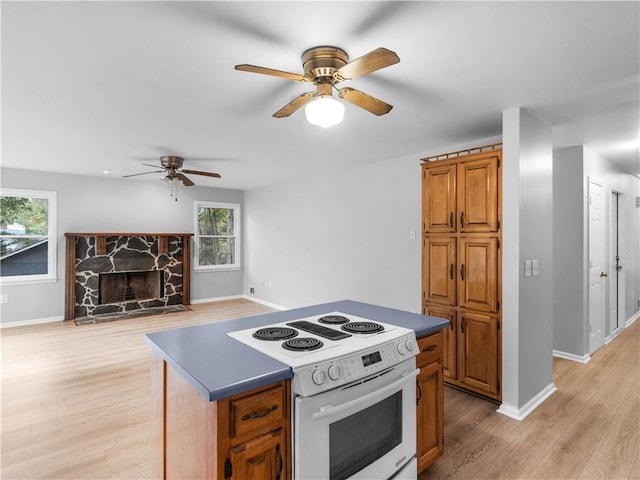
(572, 356)
(216, 299)
(235, 297)
(264, 302)
(521, 413)
(35, 321)
(631, 320)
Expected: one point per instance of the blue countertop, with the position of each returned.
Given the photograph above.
(218, 366)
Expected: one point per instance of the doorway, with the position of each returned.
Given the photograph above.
(616, 319)
(597, 261)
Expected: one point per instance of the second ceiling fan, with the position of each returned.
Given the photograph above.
(326, 66)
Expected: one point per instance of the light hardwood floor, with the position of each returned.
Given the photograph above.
(76, 404)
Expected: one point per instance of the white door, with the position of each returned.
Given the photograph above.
(597, 273)
(614, 265)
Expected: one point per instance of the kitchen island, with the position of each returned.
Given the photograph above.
(211, 392)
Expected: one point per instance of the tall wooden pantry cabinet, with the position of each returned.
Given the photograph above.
(461, 263)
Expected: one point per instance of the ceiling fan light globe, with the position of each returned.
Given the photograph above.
(165, 180)
(325, 111)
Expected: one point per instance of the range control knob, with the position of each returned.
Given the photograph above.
(334, 372)
(402, 349)
(318, 377)
(409, 344)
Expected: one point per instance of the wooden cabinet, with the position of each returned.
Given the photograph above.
(461, 196)
(243, 437)
(255, 445)
(478, 351)
(259, 458)
(429, 401)
(439, 198)
(439, 270)
(449, 338)
(477, 193)
(478, 273)
(461, 265)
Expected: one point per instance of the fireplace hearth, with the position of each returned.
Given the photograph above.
(119, 275)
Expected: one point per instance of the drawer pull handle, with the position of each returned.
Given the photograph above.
(430, 348)
(260, 414)
(280, 462)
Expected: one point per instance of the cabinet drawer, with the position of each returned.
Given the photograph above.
(258, 413)
(430, 349)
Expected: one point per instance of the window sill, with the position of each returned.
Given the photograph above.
(27, 281)
(216, 269)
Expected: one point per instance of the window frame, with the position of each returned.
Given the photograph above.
(52, 245)
(236, 207)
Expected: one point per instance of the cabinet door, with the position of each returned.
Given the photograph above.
(439, 198)
(449, 339)
(478, 273)
(260, 459)
(430, 414)
(478, 195)
(478, 347)
(439, 270)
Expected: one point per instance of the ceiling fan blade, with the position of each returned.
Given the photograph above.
(143, 173)
(185, 179)
(370, 62)
(362, 100)
(154, 166)
(198, 172)
(294, 105)
(270, 71)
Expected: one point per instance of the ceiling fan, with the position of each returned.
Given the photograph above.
(172, 166)
(326, 66)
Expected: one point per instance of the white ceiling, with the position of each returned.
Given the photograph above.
(94, 86)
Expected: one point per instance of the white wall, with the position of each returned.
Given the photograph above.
(527, 336)
(345, 235)
(570, 276)
(94, 204)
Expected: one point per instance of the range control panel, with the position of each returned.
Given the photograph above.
(331, 373)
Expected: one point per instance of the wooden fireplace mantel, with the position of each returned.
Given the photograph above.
(101, 249)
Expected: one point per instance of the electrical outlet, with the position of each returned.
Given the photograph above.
(412, 234)
(252, 290)
(4, 299)
(527, 268)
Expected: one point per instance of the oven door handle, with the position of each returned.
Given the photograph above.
(330, 410)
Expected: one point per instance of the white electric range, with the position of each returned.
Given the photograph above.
(354, 388)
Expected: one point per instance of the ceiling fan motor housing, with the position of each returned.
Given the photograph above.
(320, 63)
(171, 161)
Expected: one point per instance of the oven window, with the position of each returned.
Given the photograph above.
(364, 437)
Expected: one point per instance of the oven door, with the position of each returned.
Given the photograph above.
(363, 430)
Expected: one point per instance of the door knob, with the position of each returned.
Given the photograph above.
(602, 274)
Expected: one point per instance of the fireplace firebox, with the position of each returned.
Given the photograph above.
(127, 286)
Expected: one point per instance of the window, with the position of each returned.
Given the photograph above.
(217, 238)
(27, 236)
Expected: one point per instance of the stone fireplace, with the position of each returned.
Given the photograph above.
(120, 274)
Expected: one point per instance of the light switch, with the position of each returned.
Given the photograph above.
(535, 267)
(527, 268)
